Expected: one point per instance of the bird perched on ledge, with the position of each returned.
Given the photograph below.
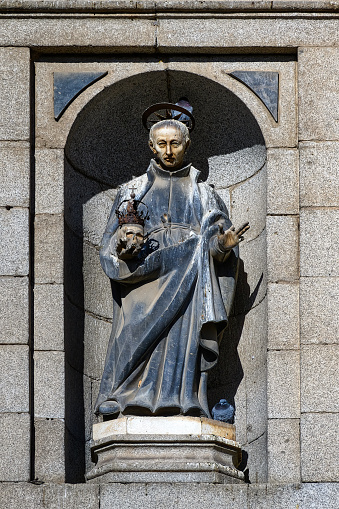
(223, 411)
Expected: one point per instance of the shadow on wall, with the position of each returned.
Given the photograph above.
(107, 146)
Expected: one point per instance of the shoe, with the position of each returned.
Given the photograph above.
(109, 408)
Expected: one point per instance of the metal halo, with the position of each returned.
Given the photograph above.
(166, 106)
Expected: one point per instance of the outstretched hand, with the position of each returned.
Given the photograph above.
(230, 238)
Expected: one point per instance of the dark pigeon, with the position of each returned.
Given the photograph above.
(223, 411)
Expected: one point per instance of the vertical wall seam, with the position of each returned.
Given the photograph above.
(31, 266)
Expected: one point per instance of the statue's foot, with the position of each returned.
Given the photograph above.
(109, 408)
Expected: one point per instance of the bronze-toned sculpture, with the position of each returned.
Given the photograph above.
(173, 271)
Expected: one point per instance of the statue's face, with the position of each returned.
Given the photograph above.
(169, 146)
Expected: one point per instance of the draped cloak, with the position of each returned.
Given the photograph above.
(171, 305)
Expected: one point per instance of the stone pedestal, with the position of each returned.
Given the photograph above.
(165, 449)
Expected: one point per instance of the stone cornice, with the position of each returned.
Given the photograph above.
(167, 6)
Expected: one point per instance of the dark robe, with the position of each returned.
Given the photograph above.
(170, 306)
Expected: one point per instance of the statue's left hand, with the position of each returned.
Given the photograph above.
(230, 238)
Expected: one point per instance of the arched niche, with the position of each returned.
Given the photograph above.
(106, 146)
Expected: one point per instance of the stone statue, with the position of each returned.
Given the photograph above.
(171, 256)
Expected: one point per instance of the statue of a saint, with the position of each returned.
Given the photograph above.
(173, 271)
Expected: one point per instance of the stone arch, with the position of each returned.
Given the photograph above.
(106, 146)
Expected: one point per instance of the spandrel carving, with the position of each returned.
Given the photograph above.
(171, 292)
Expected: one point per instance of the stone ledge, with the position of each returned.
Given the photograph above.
(163, 426)
(151, 6)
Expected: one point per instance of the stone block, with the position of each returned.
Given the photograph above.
(14, 168)
(49, 450)
(49, 248)
(49, 181)
(283, 384)
(252, 275)
(318, 93)
(97, 288)
(14, 310)
(21, 496)
(303, 496)
(282, 181)
(14, 246)
(257, 459)
(253, 357)
(97, 334)
(14, 448)
(173, 495)
(319, 378)
(87, 205)
(233, 167)
(319, 447)
(319, 244)
(319, 319)
(319, 174)
(14, 93)
(283, 447)
(14, 384)
(49, 385)
(282, 248)
(283, 316)
(248, 203)
(226, 198)
(111, 32)
(71, 496)
(49, 317)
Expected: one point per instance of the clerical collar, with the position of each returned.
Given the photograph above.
(158, 170)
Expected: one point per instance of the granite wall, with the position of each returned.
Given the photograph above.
(279, 357)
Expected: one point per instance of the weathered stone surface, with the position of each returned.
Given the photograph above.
(14, 310)
(49, 317)
(14, 382)
(225, 196)
(14, 92)
(283, 446)
(264, 32)
(21, 495)
(200, 495)
(49, 181)
(319, 378)
(137, 33)
(319, 174)
(283, 316)
(318, 110)
(257, 459)
(49, 248)
(49, 450)
(319, 319)
(282, 248)
(14, 242)
(252, 352)
(14, 448)
(87, 205)
(49, 386)
(14, 173)
(248, 203)
(97, 334)
(282, 181)
(308, 496)
(71, 496)
(229, 169)
(319, 447)
(319, 244)
(283, 384)
(252, 279)
(97, 288)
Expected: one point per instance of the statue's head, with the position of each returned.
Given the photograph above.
(169, 140)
